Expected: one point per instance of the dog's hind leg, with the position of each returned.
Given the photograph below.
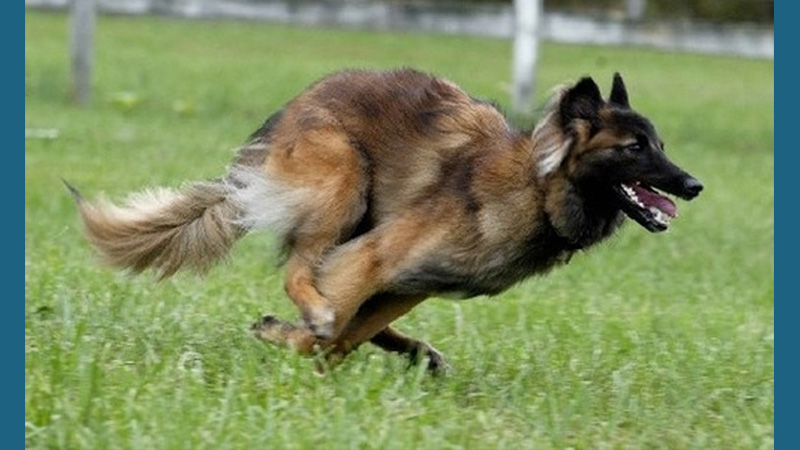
(346, 283)
(416, 350)
(329, 175)
(299, 286)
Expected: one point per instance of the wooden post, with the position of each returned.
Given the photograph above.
(526, 49)
(83, 17)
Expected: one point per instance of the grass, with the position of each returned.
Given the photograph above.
(649, 341)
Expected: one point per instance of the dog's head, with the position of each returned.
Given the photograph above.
(609, 151)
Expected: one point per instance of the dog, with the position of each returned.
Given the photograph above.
(386, 188)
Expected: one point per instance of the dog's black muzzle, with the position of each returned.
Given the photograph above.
(668, 177)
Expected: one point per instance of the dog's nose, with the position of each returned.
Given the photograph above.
(692, 187)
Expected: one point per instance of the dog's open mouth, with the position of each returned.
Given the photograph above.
(646, 206)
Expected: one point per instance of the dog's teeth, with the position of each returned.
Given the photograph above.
(659, 215)
(631, 193)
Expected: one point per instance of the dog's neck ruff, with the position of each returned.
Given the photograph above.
(564, 242)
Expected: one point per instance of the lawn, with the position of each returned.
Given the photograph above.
(648, 341)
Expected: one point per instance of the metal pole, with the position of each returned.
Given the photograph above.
(83, 18)
(635, 9)
(526, 49)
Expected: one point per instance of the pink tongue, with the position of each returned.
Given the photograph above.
(650, 198)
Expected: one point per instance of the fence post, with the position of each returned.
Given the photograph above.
(635, 9)
(82, 17)
(526, 49)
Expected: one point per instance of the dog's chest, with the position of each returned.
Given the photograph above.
(487, 272)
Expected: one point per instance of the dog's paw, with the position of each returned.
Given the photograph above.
(425, 353)
(269, 329)
(266, 321)
(436, 362)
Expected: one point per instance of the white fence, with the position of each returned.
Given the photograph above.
(755, 41)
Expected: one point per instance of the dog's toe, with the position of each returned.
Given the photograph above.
(270, 329)
(436, 362)
(265, 321)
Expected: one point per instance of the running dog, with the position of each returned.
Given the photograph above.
(387, 188)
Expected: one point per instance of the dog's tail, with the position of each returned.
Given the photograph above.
(196, 226)
(163, 228)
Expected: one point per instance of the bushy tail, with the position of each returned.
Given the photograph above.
(164, 229)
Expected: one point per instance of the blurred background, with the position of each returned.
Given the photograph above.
(732, 27)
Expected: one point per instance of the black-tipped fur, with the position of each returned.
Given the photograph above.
(76, 195)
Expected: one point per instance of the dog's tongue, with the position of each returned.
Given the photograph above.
(651, 199)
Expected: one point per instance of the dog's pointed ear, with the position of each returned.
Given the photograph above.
(619, 94)
(581, 101)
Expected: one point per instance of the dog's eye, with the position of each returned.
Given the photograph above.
(632, 147)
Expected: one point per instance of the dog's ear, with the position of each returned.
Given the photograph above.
(619, 94)
(581, 101)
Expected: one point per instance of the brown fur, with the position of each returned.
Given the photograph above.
(386, 188)
(164, 229)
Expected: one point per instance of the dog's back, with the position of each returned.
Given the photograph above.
(411, 131)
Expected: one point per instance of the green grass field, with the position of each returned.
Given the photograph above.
(648, 341)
